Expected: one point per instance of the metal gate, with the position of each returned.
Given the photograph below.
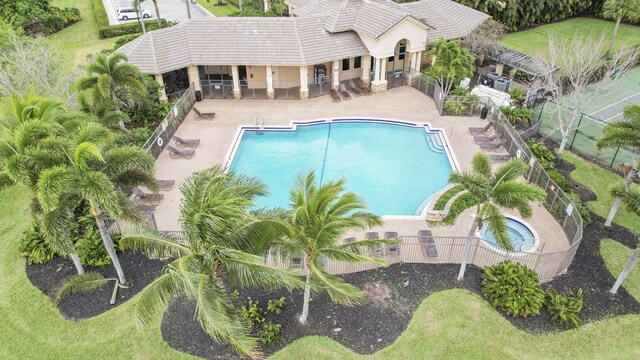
(217, 89)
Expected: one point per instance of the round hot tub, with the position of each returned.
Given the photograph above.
(523, 237)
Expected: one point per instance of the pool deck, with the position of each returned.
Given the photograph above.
(404, 103)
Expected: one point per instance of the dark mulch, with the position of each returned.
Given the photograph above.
(49, 277)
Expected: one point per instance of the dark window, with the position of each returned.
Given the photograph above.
(391, 58)
(401, 51)
(357, 62)
(345, 64)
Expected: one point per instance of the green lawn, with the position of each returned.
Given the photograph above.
(452, 324)
(534, 41)
(599, 181)
(615, 256)
(215, 9)
(80, 39)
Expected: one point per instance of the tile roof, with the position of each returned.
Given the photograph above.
(449, 19)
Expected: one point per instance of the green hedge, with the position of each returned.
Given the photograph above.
(105, 31)
(442, 201)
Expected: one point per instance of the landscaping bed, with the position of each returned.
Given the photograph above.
(49, 277)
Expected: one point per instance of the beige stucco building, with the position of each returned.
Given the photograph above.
(325, 43)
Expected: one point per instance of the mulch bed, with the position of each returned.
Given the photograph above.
(49, 277)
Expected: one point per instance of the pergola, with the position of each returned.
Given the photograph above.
(524, 63)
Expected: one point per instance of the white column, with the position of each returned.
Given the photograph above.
(267, 5)
(414, 57)
(499, 69)
(304, 82)
(194, 77)
(235, 75)
(366, 68)
(379, 83)
(376, 70)
(270, 93)
(383, 69)
(162, 93)
(418, 60)
(336, 75)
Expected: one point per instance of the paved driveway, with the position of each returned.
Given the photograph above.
(173, 10)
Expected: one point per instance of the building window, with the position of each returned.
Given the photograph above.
(391, 58)
(345, 64)
(402, 51)
(357, 62)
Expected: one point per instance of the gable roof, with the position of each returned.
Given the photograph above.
(286, 41)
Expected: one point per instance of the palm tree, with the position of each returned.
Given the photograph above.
(622, 133)
(111, 81)
(217, 246)
(97, 177)
(630, 196)
(492, 191)
(319, 216)
(452, 63)
(620, 10)
(155, 5)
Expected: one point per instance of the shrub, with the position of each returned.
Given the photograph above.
(560, 180)
(131, 28)
(455, 107)
(444, 198)
(517, 96)
(513, 288)
(90, 248)
(125, 39)
(462, 203)
(460, 91)
(545, 157)
(564, 309)
(252, 313)
(37, 18)
(275, 305)
(271, 333)
(517, 115)
(582, 210)
(34, 247)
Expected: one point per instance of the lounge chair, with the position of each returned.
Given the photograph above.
(165, 185)
(349, 240)
(335, 97)
(344, 93)
(365, 90)
(493, 145)
(353, 89)
(480, 130)
(484, 138)
(145, 208)
(180, 154)
(142, 197)
(425, 238)
(181, 143)
(203, 116)
(395, 248)
(499, 157)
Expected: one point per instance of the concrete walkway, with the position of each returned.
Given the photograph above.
(403, 103)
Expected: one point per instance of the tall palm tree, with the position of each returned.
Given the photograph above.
(95, 176)
(319, 216)
(157, 8)
(620, 10)
(452, 63)
(492, 191)
(111, 81)
(630, 196)
(217, 246)
(622, 133)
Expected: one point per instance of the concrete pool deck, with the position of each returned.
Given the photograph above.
(404, 103)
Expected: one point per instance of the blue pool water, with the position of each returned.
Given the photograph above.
(521, 236)
(394, 168)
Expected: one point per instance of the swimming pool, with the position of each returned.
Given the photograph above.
(522, 235)
(394, 166)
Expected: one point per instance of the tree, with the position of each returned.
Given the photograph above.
(491, 191)
(218, 246)
(630, 196)
(136, 7)
(112, 82)
(484, 41)
(452, 63)
(622, 133)
(157, 8)
(575, 74)
(94, 176)
(619, 10)
(319, 216)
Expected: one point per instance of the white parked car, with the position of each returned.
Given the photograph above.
(129, 13)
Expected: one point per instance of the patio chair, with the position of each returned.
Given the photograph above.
(480, 130)
(203, 115)
(181, 143)
(374, 250)
(395, 248)
(499, 157)
(180, 154)
(145, 208)
(492, 146)
(349, 240)
(165, 185)
(483, 138)
(344, 93)
(142, 197)
(335, 97)
(353, 89)
(425, 237)
(365, 90)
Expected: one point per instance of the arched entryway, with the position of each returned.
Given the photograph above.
(397, 64)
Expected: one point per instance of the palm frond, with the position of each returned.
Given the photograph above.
(497, 224)
(154, 299)
(153, 243)
(346, 255)
(475, 184)
(630, 196)
(248, 270)
(52, 184)
(481, 164)
(509, 171)
(338, 290)
(81, 283)
(518, 195)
